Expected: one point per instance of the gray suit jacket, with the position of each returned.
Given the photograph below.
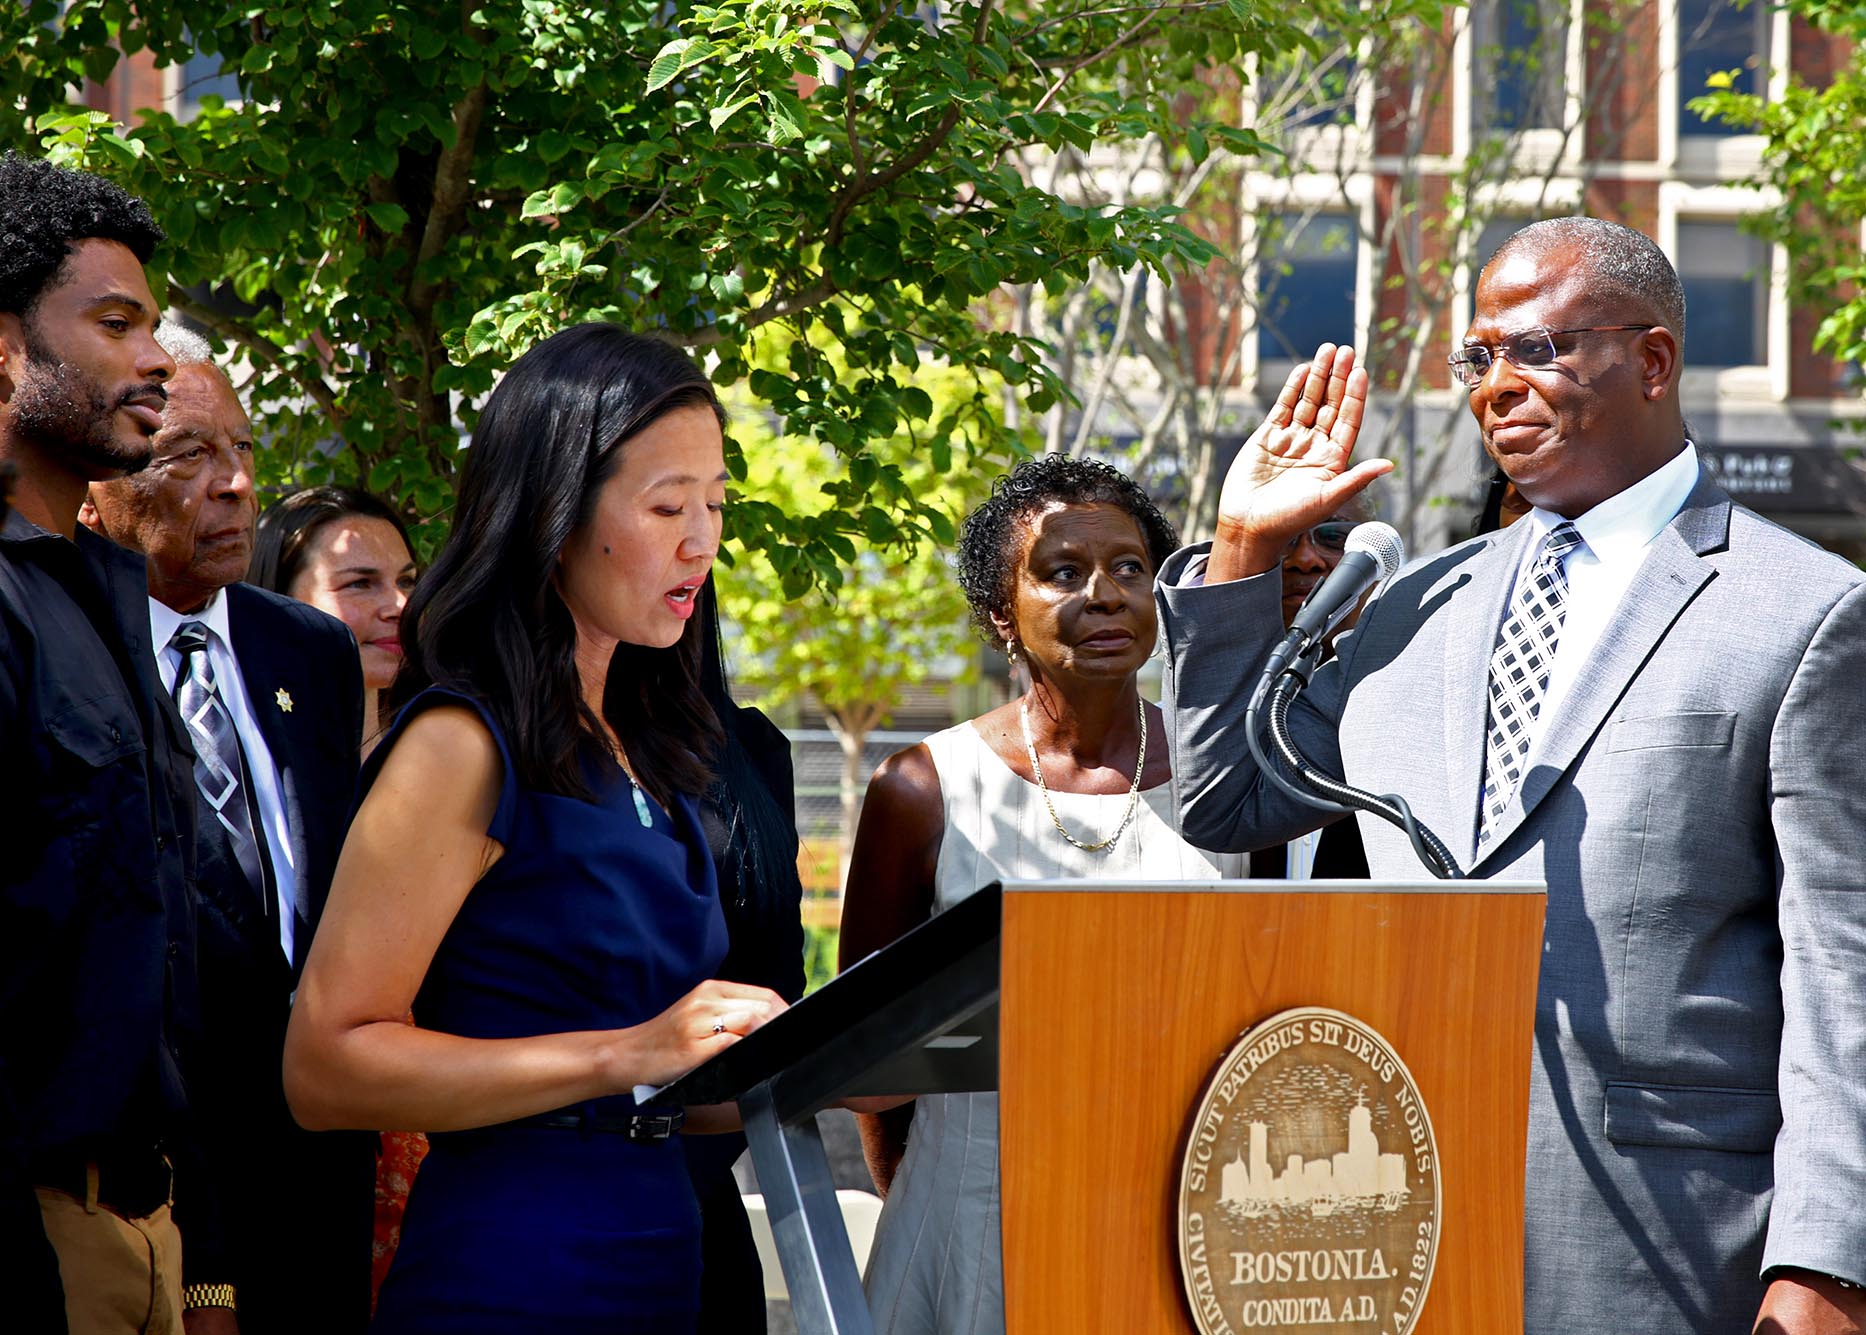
(1698, 809)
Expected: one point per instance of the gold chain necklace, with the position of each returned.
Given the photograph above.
(1133, 794)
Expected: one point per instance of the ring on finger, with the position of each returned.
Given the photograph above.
(720, 1027)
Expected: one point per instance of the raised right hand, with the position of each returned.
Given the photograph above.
(1294, 471)
(705, 1022)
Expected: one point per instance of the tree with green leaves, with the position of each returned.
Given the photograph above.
(406, 197)
(1815, 148)
(1344, 114)
(884, 614)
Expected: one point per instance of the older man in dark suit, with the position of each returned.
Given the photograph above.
(1647, 697)
(275, 1221)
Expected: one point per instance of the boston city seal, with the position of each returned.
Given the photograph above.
(1309, 1190)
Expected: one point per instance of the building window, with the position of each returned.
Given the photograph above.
(1305, 284)
(1308, 89)
(1495, 233)
(1519, 65)
(1725, 272)
(1716, 37)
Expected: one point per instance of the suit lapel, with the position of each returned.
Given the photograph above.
(264, 675)
(1669, 578)
(1469, 641)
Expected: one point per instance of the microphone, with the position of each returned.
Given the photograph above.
(1374, 553)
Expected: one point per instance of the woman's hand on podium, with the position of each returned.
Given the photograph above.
(702, 1024)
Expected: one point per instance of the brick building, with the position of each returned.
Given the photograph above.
(1574, 109)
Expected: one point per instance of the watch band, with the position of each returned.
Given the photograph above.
(208, 1295)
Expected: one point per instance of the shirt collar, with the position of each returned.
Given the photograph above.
(18, 528)
(1621, 527)
(164, 621)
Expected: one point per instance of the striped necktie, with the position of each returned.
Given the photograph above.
(220, 772)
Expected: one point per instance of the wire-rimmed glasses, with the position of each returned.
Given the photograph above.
(1527, 350)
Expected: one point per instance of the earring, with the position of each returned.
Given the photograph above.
(1010, 652)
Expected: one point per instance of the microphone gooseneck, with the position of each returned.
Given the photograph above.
(1374, 553)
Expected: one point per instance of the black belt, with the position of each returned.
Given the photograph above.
(643, 1128)
(134, 1184)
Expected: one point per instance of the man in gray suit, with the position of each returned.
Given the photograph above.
(1656, 702)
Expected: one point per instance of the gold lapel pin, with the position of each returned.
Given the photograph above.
(284, 697)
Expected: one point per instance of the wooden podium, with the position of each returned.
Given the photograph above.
(1113, 1005)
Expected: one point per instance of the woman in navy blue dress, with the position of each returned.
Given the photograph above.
(527, 869)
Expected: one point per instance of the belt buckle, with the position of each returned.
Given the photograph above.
(651, 1128)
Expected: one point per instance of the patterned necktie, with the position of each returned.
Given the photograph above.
(1519, 671)
(220, 773)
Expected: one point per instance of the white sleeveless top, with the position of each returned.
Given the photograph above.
(936, 1267)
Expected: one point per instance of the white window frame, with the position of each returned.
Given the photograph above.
(1540, 149)
(1767, 381)
(1265, 194)
(1720, 157)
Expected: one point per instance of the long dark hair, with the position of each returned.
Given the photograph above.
(486, 619)
(287, 527)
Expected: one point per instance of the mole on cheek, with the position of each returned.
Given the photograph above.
(606, 551)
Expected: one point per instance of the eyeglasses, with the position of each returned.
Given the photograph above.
(1529, 350)
(1329, 537)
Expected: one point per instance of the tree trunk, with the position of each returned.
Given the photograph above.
(851, 727)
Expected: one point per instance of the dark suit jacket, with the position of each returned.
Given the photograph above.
(1338, 856)
(282, 1214)
(765, 927)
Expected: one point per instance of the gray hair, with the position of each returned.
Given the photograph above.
(183, 344)
(1619, 261)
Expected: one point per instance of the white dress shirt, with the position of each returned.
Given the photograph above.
(1301, 864)
(1616, 537)
(163, 623)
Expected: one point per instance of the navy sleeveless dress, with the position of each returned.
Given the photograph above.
(588, 921)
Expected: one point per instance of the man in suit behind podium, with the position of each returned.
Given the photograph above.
(1649, 698)
(275, 1221)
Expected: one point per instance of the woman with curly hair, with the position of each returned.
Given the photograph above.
(1071, 779)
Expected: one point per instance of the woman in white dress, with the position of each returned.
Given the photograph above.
(1069, 780)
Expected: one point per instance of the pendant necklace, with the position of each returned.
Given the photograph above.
(642, 811)
(1133, 794)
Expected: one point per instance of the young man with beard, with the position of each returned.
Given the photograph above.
(96, 935)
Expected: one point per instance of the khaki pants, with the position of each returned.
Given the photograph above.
(120, 1275)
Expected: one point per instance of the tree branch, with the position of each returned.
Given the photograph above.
(260, 347)
(1090, 59)
(453, 179)
(864, 184)
(775, 309)
(1122, 9)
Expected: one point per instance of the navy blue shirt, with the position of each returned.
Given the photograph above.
(96, 849)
